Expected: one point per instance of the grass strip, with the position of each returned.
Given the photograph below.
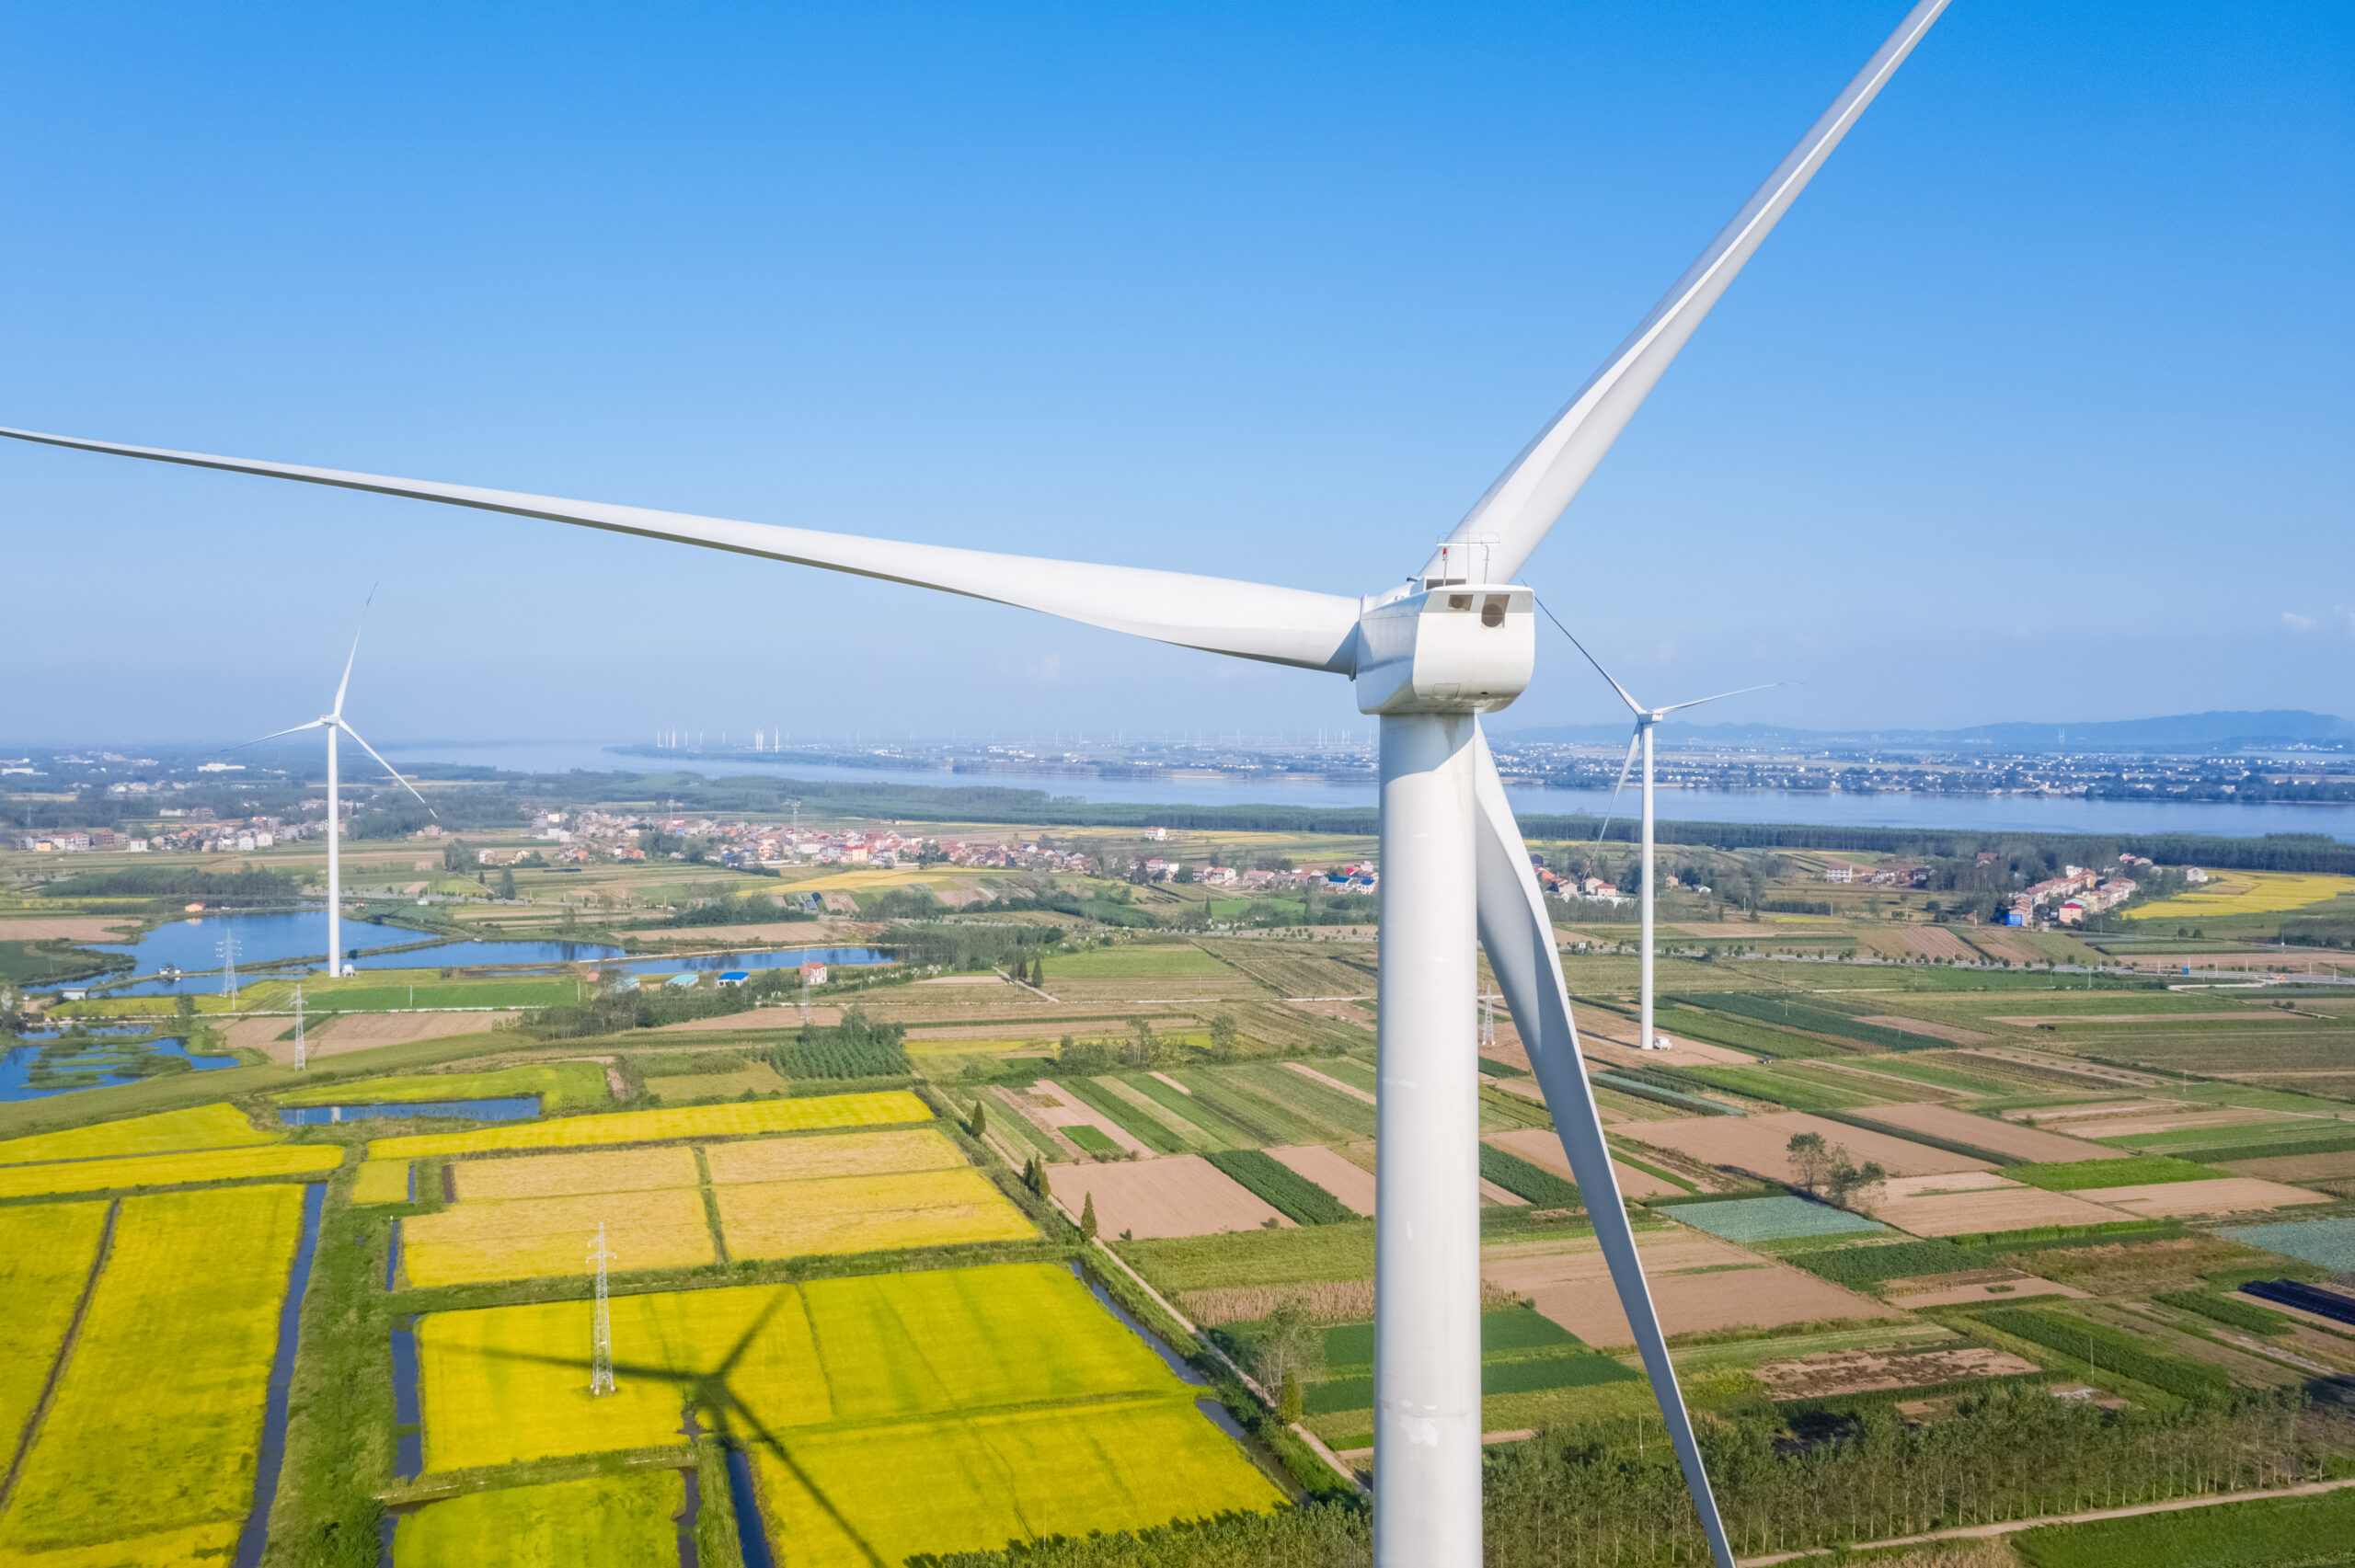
(2136, 1170)
(1518, 1176)
(1284, 1189)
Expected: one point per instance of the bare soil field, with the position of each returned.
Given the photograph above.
(832, 1154)
(1758, 1144)
(1333, 1171)
(1344, 1011)
(2177, 1121)
(1952, 1031)
(1543, 1148)
(756, 1018)
(1050, 1103)
(1938, 942)
(2228, 1195)
(2007, 1208)
(1864, 1372)
(1934, 1187)
(1183, 1194)
(1986, 1132)
(562, 1175)
(1972, 1285)
(2298, 1167)
(1997, 943)
(1616, 1047)
(1351, 1089)
(71, 928)
(1699, 1285)
(2048, 1113)
(360, 1031)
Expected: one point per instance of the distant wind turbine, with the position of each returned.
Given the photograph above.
(1457, 639)
(1646, 718)
(334, 723)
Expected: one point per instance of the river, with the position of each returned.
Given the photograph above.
(1998, 813)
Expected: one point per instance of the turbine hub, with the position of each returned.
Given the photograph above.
(1452, 647)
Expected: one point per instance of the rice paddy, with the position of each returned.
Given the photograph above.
(166, 1169)
(471, 1244)
(217, 1126)
(157, 1420)
(648, 1126)
(862, 1214)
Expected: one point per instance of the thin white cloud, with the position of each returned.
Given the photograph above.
(2296, 621)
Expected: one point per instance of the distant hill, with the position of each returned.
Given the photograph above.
(2223, 731)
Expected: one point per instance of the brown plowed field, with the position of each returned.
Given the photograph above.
(1184, 1195)
(2298, 1167)
(1758, 1144)
(1329, 1169)
(1863, 1371)
(1543, 1148)
(1988, 1208)
(1938, 942)
(1699, 1285)
(2228, 1195)
(70, 928)
(1986, 1132)
(1972, 1285)
(360, 1031)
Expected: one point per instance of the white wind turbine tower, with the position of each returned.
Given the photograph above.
(1646, 719)
(334, 724)
(1456, 640)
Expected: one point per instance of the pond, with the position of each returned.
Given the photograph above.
(510, 1108)
(16, 1064)
(195, 943)
(781, 959)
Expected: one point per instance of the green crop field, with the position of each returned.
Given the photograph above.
(157, 1420)
(1304, 1256)
(46, 1250)
(166, 1169)
(818, 1111)
(2285, 1532)
(1130, 961)
(617, 1521)
(2140, 1169)
(217, 1126)
(990, 1480)
(385, 992)
(561, 1086)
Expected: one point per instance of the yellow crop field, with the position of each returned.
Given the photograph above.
(834, 1154)
(535, 1238)
(989, 1479)
(882, 876)
(557, 1175)
(198, 1546)
(157, 1420)
(46, 1250)
(218, 1126)
(2248, 893)
(381, 1181)
(877, 1109)
(606, 1521)
(506, 1384)
(167, 1170)
(867, 1214)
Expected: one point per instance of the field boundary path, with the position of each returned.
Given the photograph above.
(2092, 1515)
(1315, 1444)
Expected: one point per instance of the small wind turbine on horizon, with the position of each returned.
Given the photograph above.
(1427, 657)
(334, 724)
(1646, 720)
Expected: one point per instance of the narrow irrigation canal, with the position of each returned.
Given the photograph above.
(256, 1534)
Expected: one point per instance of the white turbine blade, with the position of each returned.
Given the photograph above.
(1613, 809)
(1280, 625)
(345, 684)
(1740, 690)
(1625, 695)
(1526, 498)
(315, 723)
(1519, 940)
(390, 769)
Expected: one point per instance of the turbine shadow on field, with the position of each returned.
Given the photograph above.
(714, 1394)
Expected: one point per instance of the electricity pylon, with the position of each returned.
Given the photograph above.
(600, 1369)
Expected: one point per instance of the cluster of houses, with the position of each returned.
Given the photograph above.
(203, 835)
(2077, 892)
(1879, 875)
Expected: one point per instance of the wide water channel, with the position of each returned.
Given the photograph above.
(197, 944)
(256, 1535)
(508, 1109)
(782, 959)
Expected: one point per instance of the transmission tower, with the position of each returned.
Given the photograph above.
(600, 1375)
(301, 1063)
(1489, 1022)
(229, 968)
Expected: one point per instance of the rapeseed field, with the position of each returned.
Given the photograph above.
(2248, 893)
(618, 1521)
(158, 1415)
(835, 1154)
(556, 1175)
(217, 1126)
(531, 1238)
(46, 1250)
(381, 1181)
(878, 1109)
(868, 1214)
(166, 1169)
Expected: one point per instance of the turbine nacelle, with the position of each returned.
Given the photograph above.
(1457, 648)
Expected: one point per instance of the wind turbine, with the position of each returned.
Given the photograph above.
(1457, 639)
(1646, 719)
(334, 724)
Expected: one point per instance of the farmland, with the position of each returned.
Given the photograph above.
(181, 1456)
(648, 1126)
(559, 1086)
(603, 1522)
(165, 1170)
(218, 1126)
(861, 1214)
(471, 1243)
(45, 1257)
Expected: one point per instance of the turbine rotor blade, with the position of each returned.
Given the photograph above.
(1519, 941)
(1625, 695)
(1737, 691)
(315, 723)
(355, 734)
(345, 684)
(1246, 620)
(1531, 493)
(1613, 809)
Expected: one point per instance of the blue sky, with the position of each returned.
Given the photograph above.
(2037, 406)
